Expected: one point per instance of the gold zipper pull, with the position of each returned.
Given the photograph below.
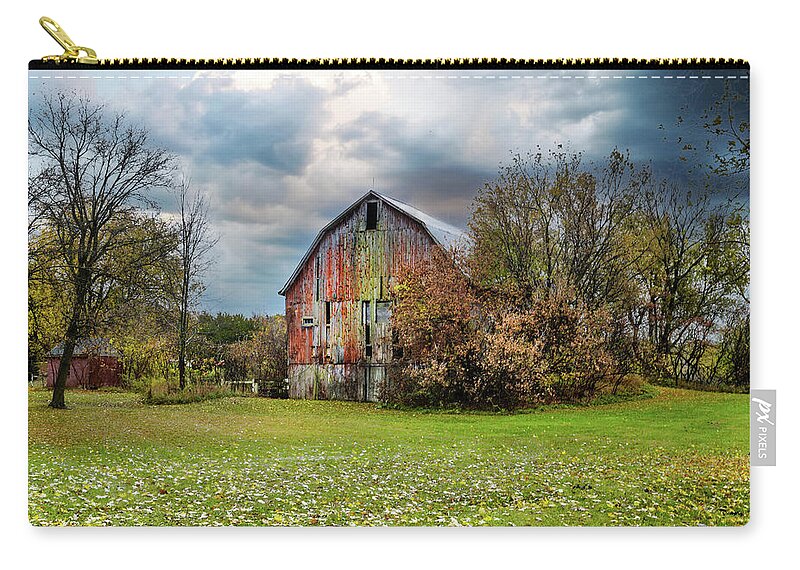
(72, 52)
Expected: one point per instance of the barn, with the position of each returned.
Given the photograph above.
(95, 363)
(339, 298)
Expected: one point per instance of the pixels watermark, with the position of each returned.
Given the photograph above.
(762, 427)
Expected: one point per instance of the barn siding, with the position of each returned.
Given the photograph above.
(349, 266)
(87, 372)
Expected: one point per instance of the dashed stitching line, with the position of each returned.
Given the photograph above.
(396, 77)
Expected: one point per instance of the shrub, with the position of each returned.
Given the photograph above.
(158, 390)
(262, 358)
(462, 350)
(553, 352)
(436, 325)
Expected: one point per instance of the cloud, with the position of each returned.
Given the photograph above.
(275, 129)
(281, 153)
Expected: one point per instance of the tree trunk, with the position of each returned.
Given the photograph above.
(60, 385)
(182, 351)
(73, 330)
(182, 365)
(182, 335)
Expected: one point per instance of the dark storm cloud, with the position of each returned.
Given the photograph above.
(665, 125)
(444, 190)
(427, 163)
(212, 121)
(276, 131)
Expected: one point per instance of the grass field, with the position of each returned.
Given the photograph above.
(680, 458)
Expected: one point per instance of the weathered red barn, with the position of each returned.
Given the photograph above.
(339, 298)
(95, 363)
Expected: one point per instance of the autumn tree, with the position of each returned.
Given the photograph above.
(46, 300)
(698, 315)
(437, 326)
(515, 225)
(690, 271)
(727, 122)
(128, 289)
(90, 174)
(717, 142)
(549, 221)
(136, 316)
(465, 345)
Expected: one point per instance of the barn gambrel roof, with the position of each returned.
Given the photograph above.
(86, 347)
(444, 234)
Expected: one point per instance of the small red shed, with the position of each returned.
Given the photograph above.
(95, 363)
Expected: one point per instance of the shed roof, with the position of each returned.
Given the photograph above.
(442, 233)
(88, 346)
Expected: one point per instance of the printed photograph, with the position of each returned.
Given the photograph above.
(388, 297)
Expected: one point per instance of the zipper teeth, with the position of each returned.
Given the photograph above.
(390, 63)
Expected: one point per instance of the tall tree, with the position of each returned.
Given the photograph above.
(690, 272)
(715, 146)
(89, 175)
(548, 221)
(515, 224)
(195, 242)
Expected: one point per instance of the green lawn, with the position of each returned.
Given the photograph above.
(680, 458)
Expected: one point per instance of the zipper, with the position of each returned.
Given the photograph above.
(72, 52)
(79, 57)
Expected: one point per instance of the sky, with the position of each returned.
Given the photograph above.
(281, 153)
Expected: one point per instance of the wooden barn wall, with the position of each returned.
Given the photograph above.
(92, 372)
(361, 381)
(350, 265)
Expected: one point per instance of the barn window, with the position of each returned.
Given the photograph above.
(328, 350)
(308, 321)
(383, 311)
(385, 284)
(372, 215)
(366, 320)
(318, 276)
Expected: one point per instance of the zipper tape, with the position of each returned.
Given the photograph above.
(381, 63)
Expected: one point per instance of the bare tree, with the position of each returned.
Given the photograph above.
(89, 176)
(548, 221)
(195, 242)
(690, 269)
(515, 226)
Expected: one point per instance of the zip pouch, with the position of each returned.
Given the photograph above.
(381, 292)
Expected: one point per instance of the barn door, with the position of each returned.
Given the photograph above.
(367, 381)
(373, 377)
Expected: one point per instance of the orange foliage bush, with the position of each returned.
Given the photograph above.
(465, 349)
